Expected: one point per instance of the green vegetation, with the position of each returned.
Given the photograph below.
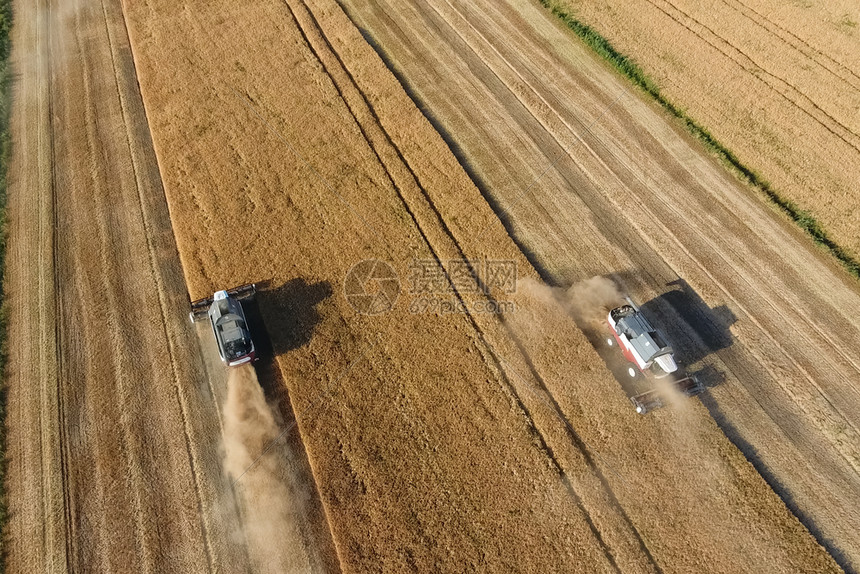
(5, 146)
(634, 73)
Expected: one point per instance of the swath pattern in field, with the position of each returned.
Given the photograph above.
(777, 83)
(592, 181)
(113, 429)
(471, 440)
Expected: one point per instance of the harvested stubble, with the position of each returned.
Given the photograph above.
(630, 194)
(113, 431)
(777, 84)
(433, 439)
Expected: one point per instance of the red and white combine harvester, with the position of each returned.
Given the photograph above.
(653, 358)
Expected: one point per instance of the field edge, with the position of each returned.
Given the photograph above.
(5, 154)
(628, 68)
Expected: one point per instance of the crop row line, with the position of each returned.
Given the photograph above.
(631, 70)
(5, 149)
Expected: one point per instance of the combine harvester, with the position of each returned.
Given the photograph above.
(645, 347)
(229, 325)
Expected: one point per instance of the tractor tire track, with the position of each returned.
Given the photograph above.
(604, 166)
(173, 357)
(70, 534)
(818, 114)
(762, 17)
(488, 349)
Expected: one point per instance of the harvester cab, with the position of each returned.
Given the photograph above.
(229, 326)
(653, 358)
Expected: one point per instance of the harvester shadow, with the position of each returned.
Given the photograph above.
(283, 319)
(693, 329)
(701, 331)
(711, 325)
(709, 376)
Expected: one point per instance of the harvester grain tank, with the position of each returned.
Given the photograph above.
(652, 357)
(229, 326)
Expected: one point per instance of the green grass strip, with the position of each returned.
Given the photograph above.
(634, 73)
(5, 149)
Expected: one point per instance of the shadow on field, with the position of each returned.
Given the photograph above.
(691, 327)
(701, 331)
(290, 316)
(711, 325)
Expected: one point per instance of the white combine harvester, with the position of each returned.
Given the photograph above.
(229, 326)
(653, 358)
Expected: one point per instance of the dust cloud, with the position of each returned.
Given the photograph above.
(587, 302)
(260, 469)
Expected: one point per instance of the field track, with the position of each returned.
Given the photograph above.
(765, 315)
(287, 153)
(327, 163)
(113, 428)
(778, 83)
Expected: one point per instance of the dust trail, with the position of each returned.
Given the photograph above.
(591, 300)
(588, 302)
(271, 506)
